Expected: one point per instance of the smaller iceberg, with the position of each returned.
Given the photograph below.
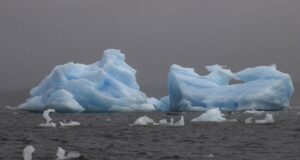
(144, 120)
(268, 119)
(69, 124)
(46, 115)
(27, 152)
(61, 154)
(180, 122)
(211, 115)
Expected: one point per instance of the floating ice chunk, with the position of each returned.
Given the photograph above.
(268, 119)
(27, 152)
(180, 122)
(163, 122)
(249, 120)
(171, 122)
(212, 115)
(61, 154)
(69, 124)
(46, 115)
(263, 88)
(254, 112)
(108, 85)
(144, 120)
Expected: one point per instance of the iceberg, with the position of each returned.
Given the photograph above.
(144, 120)
(268, 119)
(211, 115)
(108, 85)
(27, 152)
(262, 88)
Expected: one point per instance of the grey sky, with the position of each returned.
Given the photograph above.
(37, 35)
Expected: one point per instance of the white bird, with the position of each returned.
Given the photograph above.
(48, 118)
(27, 152)
(61, 154)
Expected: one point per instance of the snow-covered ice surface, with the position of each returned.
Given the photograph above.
(108, 85)
(211, 115)
(263, 88)
(98, 139)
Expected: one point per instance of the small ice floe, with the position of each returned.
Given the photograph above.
(268, 119)
(10, 107)
(27, 152)
(255, 112)
(69, 124)
(249, 120)
(108, 120)
(163, 122)
(144, 120)
(61, 154)
(211, 155)
(212, 115)
(171, 121)
(180, 122)
(46, 115)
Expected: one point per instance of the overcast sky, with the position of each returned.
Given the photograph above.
(37, 35)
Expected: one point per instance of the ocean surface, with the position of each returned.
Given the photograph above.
(110, 137)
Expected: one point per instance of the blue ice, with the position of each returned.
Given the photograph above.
(262, 88)
(108, 85)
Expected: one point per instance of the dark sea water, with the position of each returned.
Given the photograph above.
(99, 139)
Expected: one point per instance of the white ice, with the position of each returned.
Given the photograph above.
(211, 115)
(69, 124)
(46, 115)
(27, 152)
(180, 122)
(144, 120)
(249, 120)
(61, 154)
(268, 119)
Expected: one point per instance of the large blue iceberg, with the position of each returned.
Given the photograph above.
(108, 85)
(261, 88)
